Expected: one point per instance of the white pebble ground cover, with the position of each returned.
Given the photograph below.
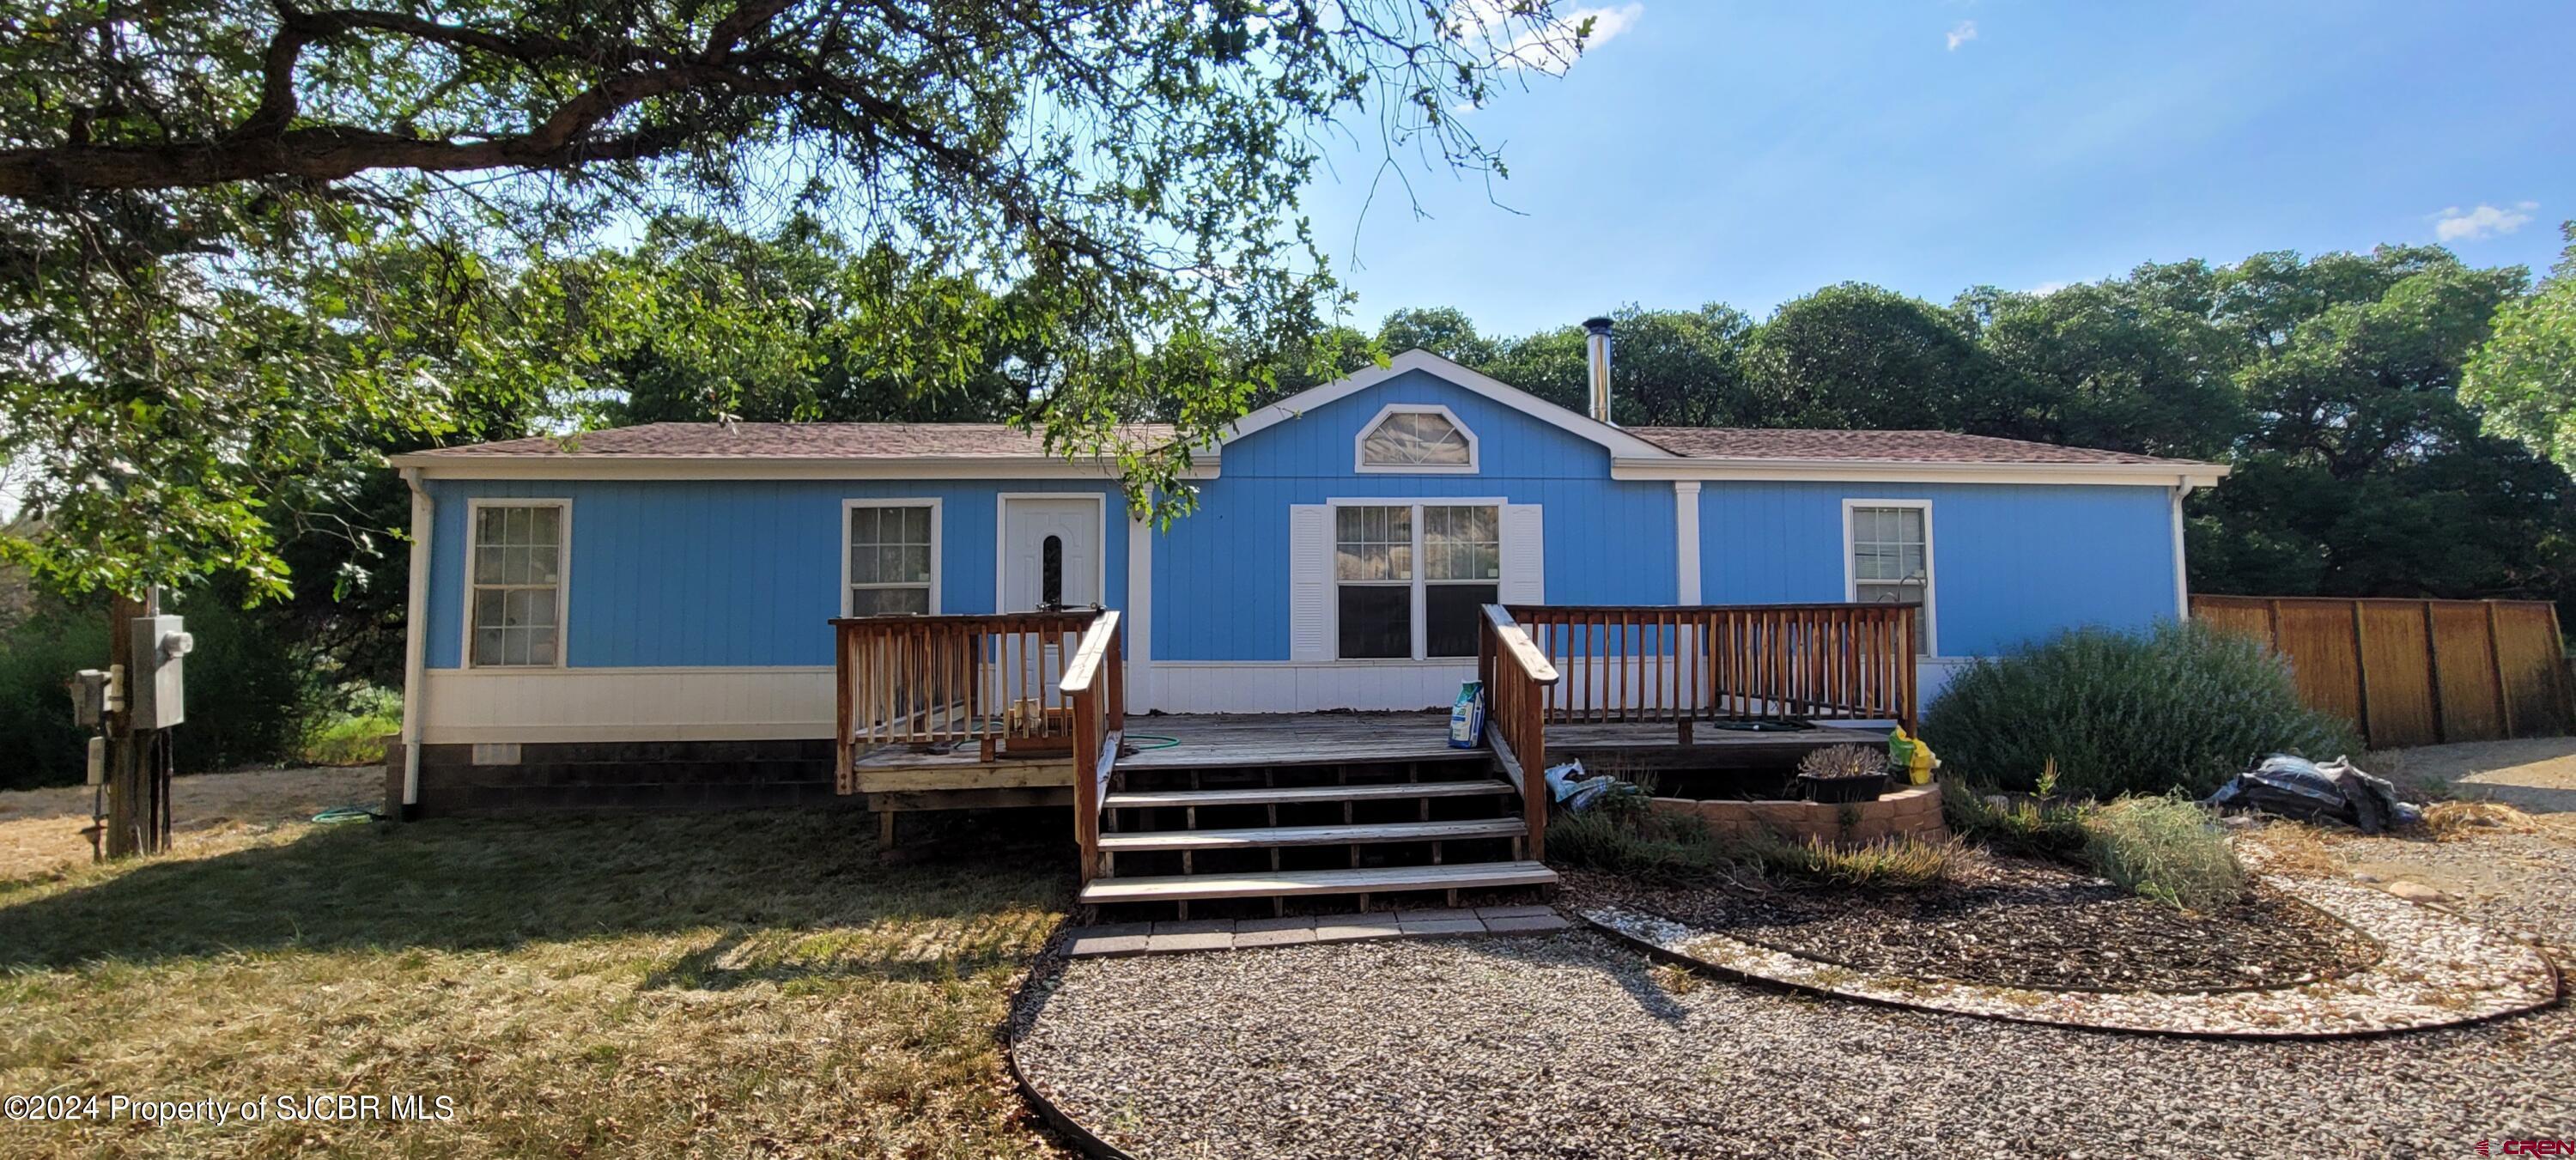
(1569, 1046)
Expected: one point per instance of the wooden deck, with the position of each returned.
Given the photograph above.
(1210, 741)
(1214, 740)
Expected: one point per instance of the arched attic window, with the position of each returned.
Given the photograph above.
(1417, 440)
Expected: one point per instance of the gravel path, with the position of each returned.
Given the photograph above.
(2535, 773)
(1567, 1046)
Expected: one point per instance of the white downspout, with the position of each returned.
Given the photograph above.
(424, 514)
(2182, 575)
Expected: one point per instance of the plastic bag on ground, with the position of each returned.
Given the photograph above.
(2295, 787)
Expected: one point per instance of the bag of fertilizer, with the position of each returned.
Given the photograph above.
(1467, 716)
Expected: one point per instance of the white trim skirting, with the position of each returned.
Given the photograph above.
(639, 704)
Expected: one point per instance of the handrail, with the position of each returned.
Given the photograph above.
(1095, 685)
(982, 678)
(1511, 638)
(1084, 668)
(1647, 663)
(1517, 677)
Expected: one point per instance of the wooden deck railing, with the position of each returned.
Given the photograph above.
(1096, 685)
(1686, 664)
(1517, 678)
(994, 680)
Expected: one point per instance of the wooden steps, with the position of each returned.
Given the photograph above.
(1296, 883)
(1390, 791)
(1342, 835)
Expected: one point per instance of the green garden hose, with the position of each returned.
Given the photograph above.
(1163, 742)
(339, 814)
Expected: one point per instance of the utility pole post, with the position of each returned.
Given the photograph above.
(138, 769)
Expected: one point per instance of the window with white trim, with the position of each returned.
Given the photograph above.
(892, 548)
(516, 596)
(1420, 439)
(1411, 579)
(1891, 561)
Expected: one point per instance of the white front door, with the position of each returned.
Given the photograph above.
(1050, 552)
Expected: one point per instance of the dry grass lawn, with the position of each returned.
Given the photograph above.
(40, 829)
(739, 984)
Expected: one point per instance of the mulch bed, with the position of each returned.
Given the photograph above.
(2014, 923)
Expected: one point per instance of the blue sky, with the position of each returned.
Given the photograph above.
(1749, 153)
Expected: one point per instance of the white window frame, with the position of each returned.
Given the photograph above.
(1359, 444)
(1931, 566)
(563, 580)
(1421, 582)
(849, 505)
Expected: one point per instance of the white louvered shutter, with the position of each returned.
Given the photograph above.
(1524, 555)
(1310, 582)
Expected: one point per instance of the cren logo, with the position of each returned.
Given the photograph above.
(2482, 1148)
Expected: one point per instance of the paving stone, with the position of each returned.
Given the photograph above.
(1446, 914)
(1262, 925)
(1490, 913)
(1286, 936)
(1353, 930)
(1196, 926)
(1443, 926)
(1527, 924)
(1084, 946)
(1213, 940)
(1114, 929)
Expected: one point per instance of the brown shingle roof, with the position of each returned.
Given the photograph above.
(1873, 446)
(788, 441)
(826, 441)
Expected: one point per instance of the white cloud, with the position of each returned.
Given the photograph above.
(1549, 47)
(2046, 288)
(2453, 225)
(1962, 33)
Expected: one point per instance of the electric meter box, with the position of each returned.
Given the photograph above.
(155, 688)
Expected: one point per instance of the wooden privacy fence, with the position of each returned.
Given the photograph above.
(1685, 664)
(2415, 672)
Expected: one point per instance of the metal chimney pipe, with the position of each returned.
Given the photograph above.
(1597, 350)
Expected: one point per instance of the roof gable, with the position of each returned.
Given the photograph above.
(1611, 439)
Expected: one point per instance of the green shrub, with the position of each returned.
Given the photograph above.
(1893, 863)
(2034, 829)
(2166, 848)
(2180, 707)
(1637, 843)
(249, 691)
(39, 745)
(354, 735)
(250, 687)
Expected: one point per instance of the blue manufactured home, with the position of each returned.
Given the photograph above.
(659, 595)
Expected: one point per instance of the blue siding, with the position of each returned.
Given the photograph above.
(1221, 574)
(2010, 562)
(726, 572)
(744, 572)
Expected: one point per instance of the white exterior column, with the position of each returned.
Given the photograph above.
(1686, 540)
(1140, 615)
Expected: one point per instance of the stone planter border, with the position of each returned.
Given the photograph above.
(1912, 811)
